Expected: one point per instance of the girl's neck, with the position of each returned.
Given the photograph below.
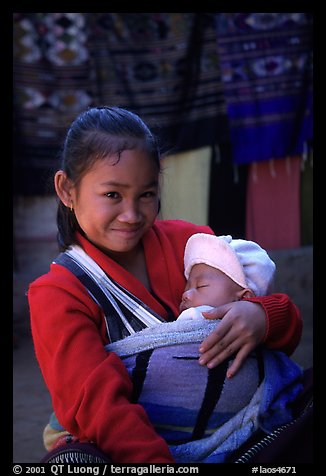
(134, 262)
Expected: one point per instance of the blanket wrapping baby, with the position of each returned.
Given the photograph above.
(203, 415)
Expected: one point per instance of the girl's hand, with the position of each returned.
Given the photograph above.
(241, 329)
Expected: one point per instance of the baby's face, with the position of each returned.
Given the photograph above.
(208, 286)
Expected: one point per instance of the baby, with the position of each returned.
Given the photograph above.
(220, 270)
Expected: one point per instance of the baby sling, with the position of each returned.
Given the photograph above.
(130, 316)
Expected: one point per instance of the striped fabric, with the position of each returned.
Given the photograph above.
(203, 416)
(184, 400)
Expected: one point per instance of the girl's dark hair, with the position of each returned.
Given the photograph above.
(96, 133)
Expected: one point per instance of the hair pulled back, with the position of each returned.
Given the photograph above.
(95, 134)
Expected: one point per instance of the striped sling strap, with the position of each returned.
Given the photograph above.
(124, 313)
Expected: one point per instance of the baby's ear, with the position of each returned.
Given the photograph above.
(245, 293)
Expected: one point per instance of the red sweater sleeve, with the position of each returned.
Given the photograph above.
(284, 322)
(90, 388)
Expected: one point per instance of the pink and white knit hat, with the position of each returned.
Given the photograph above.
(244, 261)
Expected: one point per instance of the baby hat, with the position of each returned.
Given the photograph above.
(244, 261)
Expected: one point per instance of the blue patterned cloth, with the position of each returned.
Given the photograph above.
(266, 65)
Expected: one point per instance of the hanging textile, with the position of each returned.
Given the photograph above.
(228, 190)
(185, 186)
(53, 82)
(273, 203)
(163, 66)
(266, 70)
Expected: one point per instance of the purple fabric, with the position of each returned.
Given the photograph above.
(266, 66)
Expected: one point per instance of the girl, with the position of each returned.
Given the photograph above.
(108, 190)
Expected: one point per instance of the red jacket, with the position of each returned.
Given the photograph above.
(90, 388)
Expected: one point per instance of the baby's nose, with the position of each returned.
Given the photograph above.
(186, 295)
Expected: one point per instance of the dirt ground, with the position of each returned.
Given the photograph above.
(31, 404)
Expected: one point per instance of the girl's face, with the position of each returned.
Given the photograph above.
(116, 202)
(209, 286)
